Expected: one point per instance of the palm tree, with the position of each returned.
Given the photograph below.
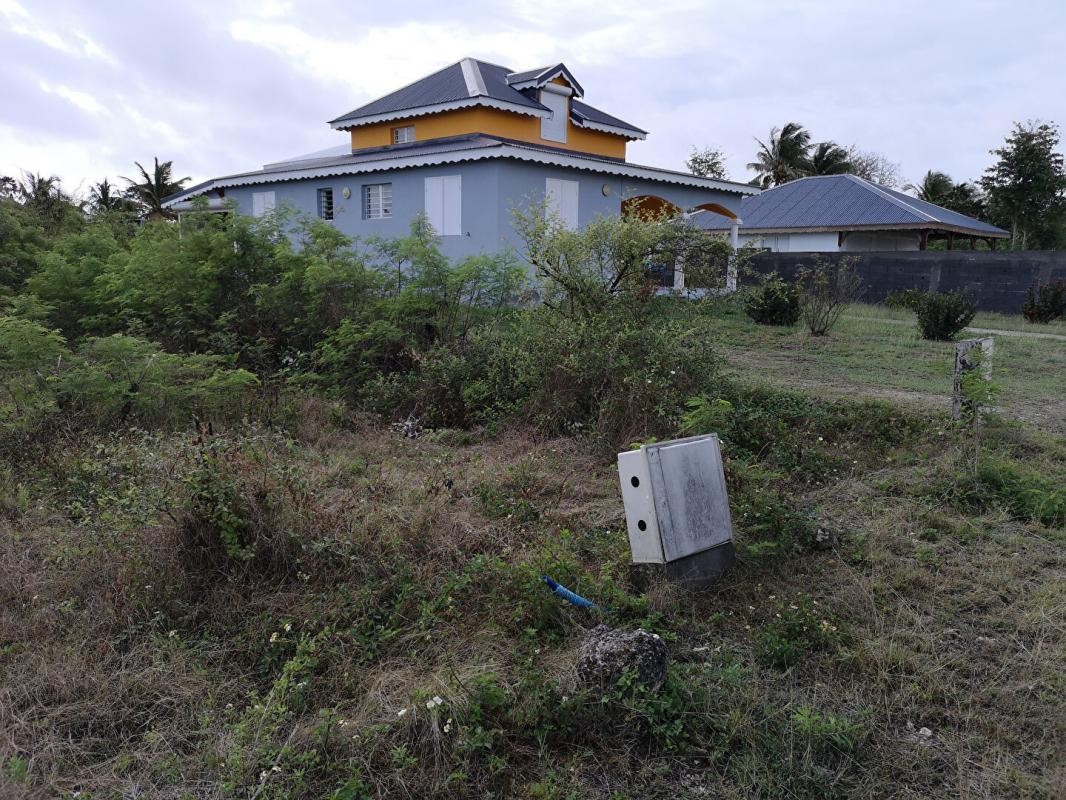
(783, 157)
(152, 189)
(828, 158)
(103, 198)
(936, 187)
(43, 196)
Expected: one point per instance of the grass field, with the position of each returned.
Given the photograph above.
(313, 605)
(876, 352)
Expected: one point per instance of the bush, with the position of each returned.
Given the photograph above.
(825, 290)
(908, 299)
(773, 302)
(617, 377)
(941, 316)
(1046, 303)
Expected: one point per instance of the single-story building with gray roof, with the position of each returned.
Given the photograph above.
(845, 213)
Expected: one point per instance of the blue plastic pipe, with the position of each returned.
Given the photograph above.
(566, 594)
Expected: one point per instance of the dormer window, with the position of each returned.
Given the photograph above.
(557, 99)
(403, 135)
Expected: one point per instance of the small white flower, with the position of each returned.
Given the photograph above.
(172, 634)
(401, 712)
(274, 636)
(288, 627)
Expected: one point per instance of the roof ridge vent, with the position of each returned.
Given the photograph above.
(475, 82)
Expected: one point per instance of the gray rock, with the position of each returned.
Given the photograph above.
(607, 654)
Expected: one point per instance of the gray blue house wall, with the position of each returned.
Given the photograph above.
(491, 190)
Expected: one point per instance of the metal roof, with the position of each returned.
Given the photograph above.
(841, 202)
(472, 147)
(471, 82)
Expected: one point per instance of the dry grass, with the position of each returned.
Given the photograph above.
(128, 667)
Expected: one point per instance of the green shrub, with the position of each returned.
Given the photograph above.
(773, 302)
(907, 299)
(941, 316)
(1026, 494)
(620, 378)
(826, 289)
(1046, 302)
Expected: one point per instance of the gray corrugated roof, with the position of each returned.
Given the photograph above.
(471, 147)
(840, 202)
(445, 86)
(492, 81)
(585, 111)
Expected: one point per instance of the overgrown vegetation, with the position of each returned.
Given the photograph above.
(223, 573)
(826, 289)
(941, 315)
(1046, 303)
(773, 301)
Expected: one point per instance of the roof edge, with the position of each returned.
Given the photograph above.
(493, 148)
(347, 123)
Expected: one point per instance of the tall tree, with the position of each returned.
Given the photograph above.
(1026, 187)
(707, 163)
(940, 189)
(828, 158)
(935, 187)
(783, 157)
(43, 198)
(873, 166)
(152, 189)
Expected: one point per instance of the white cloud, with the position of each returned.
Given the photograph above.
(86, 102)
(23, 24)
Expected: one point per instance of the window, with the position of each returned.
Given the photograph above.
(561, 197)
(325, 203)
(377, 201)
(403, 135)
(444, 204)
(262, 203)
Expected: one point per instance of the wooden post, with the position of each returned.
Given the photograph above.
(951, 240)
(923, 240)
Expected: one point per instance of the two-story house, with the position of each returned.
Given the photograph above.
(466, 145)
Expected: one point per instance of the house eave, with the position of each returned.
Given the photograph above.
(347, 123)
(493, 150)
(902, 226)
(628, 133)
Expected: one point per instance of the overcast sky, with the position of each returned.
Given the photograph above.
(88, 87)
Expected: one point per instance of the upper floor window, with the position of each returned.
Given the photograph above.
(325, 203)
(377, 201)
(263, 203)
(403, 135)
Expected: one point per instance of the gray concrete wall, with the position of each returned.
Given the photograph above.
(491, 189)
(997, 281)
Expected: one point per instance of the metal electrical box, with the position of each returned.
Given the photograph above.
(675, 499)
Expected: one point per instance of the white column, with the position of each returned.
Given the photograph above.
(734, 241)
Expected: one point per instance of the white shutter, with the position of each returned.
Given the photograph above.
(562, 200)
(444, 204)
(452, 219)
(553, 128)
(262, 203)
(435, 203)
